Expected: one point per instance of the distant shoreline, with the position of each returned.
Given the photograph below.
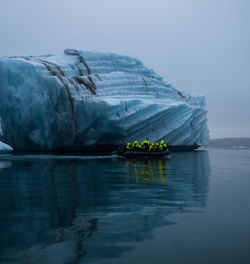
(235, 143)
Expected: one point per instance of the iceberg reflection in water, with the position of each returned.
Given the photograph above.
(74, 210)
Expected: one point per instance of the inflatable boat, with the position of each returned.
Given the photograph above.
(134, 154)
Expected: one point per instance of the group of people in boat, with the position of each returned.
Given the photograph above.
(145, 146)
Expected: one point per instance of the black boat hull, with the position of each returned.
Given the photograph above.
(135, 154)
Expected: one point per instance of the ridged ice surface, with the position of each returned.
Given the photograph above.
(88, 98)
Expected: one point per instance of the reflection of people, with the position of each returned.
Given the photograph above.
(163, 170)
(147, 171)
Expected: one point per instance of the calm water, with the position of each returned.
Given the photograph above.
(193, 208)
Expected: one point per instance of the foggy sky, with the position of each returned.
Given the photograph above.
(200, 46)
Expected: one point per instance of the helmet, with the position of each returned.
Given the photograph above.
(156, 144)
(136, 142)
(153, 144)
(162, 142)
(129, 143)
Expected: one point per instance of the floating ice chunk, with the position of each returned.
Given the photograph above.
(4, 148)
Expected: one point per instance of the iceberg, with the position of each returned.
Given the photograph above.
(4, 148)
(89, 99)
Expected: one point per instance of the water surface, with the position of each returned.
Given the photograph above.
(192, 208)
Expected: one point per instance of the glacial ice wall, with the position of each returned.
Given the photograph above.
(87, 98)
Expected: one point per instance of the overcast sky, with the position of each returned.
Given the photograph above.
(200, 46)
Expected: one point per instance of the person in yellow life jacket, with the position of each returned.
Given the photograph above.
(146, 144)
(163, 146)
(128, 147)
(151, 148)
(141, 146)
(156, 147)
(135, 146)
